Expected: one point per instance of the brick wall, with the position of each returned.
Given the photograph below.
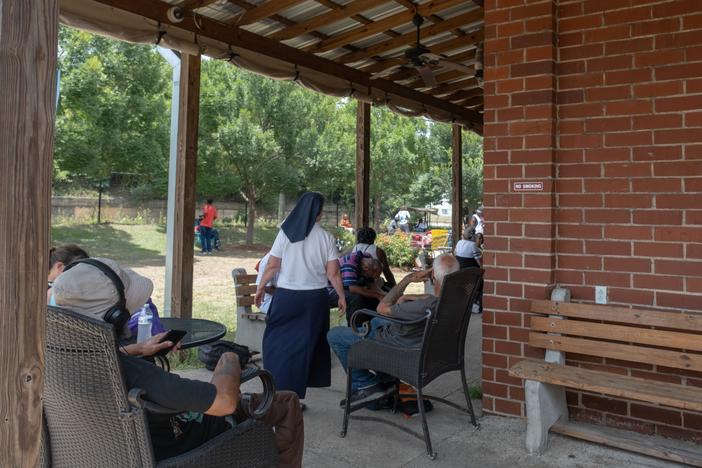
(601, 100)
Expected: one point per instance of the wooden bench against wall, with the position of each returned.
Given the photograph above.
(668, 339)
(250, 325)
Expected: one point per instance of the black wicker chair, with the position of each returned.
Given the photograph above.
(441, 351)
(92, 421)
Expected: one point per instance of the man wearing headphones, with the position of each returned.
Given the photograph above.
(101, 289)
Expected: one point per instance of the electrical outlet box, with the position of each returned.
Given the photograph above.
(600, 294)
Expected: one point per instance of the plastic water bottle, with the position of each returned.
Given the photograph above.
(145, 320)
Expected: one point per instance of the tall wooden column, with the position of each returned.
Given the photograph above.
(182, 289)
(363, 123)
(28, 46)
(456, 183)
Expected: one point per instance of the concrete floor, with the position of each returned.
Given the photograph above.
(498, 443)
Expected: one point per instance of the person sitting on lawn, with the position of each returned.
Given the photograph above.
(345, 222)
(365, 385)
(365, 242)
(204, 406)
(360, 276)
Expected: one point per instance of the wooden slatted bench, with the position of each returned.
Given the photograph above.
(668, 339)
(250, 325)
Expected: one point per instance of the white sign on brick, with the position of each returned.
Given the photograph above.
(528, 186)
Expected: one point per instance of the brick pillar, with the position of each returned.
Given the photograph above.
(520, 146)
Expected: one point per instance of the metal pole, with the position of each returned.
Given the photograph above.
(174, 61)
(99, 200)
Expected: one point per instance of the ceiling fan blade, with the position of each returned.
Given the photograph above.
(456, 66)
(428, 76)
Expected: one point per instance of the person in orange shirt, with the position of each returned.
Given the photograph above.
(209, 214)
(346, 222)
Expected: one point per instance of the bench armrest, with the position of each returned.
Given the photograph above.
(360, 321)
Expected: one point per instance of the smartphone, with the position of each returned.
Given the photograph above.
(174, 336)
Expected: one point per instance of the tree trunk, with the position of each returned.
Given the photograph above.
(281, 208)
(376, 213)
(251, 221)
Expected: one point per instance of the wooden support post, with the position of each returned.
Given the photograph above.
(28, 46)
(363, 123)
(182, 289)
(457, 183)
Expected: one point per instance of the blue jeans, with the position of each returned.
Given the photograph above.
(205, 239)
(340, 340)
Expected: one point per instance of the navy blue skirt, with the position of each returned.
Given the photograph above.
(295, 348)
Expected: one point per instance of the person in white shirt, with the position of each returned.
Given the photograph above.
(469, 254)
(402, 217)
(269, 287)
(365, 242)
(305, 257)
(477, 221)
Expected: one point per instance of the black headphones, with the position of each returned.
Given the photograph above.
(117, 315)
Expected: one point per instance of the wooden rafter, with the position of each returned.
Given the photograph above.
(445, 89)
(358, 17)
(238, 37)
(464, 94)
(440, 48)
(271, 7)
(325, 19)
(465, 19)
(362, 32)
(472, 102)
(195, 4)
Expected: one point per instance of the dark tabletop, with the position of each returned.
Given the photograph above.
(200, 331)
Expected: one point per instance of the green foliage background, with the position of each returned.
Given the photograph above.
(258, 137)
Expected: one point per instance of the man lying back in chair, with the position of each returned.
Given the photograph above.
(365, 385)
(88, 289)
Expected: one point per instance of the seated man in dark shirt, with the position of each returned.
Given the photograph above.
(365, 385)
(205, 408)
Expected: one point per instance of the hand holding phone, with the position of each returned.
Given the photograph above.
(173, 336)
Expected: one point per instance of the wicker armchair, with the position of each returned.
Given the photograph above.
(92, 421)
(441, 351)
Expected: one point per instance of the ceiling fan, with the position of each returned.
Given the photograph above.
(420, 57)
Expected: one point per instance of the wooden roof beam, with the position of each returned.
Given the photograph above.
(195, 4)
(465, 19)
(445, 89)
(325, 19)
(155, 10)
(362, 32)
(265, 10)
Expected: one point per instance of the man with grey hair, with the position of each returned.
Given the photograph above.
(365, 385)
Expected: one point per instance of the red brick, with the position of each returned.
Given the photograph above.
(671, 283)
(693, 217)
(531, 276)
(580, 80)
(681, 201)
(628, 232)
(539, 230)
(628, 170)
(678, 168)
(579, 262)
(675, 72)
(579, 170)
(585, 200)
(608, 247)
(494, 360)
(608, 405)
(657, 121)
(579, 23)
(665, 88)
(628, 201)
(569, 246)
(679, 301)
(544, 67)
(608, 93)
(510, 29)
(675, 8)
(658, 249)
(680, 39)
(678, 267)
(629, 107)
(693, 119)
(628, 76)
(693, 285)
(611, 124)
(628, 139)
(508, 289)
(635, 265)
(580, 231)
(628, 46)
(508, 347)
(692, 22)
(538, 24)
(533, 40)
(627, 15)
(609, 216)
(657, 153)
(661, 217)
(569, 277)
(676, 433)
(570, 39)
(653, 413)
(693, 251)
(585, 415)
(677, 104)
(656, 185)
(508, 407)
(678, 234)
(610, 33)
(629, 296)
(568, 10)
(644, 28)
(580, 110)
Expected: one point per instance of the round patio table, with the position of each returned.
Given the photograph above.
(200, 331)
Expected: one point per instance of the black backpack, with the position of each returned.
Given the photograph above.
(209, 354)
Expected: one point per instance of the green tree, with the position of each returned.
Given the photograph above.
(113, 113)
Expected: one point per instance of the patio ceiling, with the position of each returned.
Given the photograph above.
(359, 42)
